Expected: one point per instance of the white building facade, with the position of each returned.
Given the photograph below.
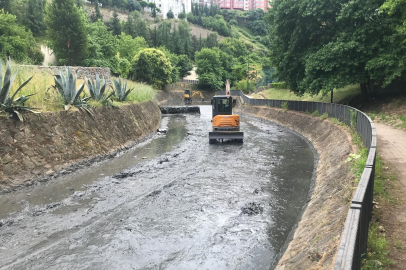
(177, 6)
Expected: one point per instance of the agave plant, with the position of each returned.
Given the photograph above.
(97, 89)
(9, 104)
(66, 86)
(121, 89)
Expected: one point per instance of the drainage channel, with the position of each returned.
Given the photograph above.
(175, 202)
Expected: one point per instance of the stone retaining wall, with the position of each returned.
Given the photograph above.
(317, 236)
(180, 85)
(81, 72)
(49, 142)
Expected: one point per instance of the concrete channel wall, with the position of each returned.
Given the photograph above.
(48, 143)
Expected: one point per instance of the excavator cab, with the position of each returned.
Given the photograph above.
(225, 124)
(187, 96)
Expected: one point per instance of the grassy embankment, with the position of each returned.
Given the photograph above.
(390, 110)
(46, 98)
(378, 247)
(285, 94)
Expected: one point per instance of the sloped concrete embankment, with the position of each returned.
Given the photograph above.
(47, 143)
(317, 236)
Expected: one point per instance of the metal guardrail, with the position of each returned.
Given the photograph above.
(353, 245)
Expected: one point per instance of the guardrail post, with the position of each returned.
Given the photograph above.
(348, 252)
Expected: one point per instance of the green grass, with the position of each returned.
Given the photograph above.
(336, 121)
(243, 35)
(397, 121)
(324, 116)
(377, 256)
(141, 92)
(316, 113)
(378, 250)
(286, 94)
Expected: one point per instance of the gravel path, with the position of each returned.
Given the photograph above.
(392, 149)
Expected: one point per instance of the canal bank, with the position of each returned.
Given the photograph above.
(48, 144)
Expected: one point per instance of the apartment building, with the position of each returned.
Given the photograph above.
(177, 6)
(243, 4)
(205, 2)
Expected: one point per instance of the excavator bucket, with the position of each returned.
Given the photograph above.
(226, 135)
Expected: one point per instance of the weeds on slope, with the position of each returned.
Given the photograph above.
(377, 256)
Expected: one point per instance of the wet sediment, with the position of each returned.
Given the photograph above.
(314, 243)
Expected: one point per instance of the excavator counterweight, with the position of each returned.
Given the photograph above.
(225, 124)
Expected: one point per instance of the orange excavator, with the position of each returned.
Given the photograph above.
(188, 95)
(225, 124)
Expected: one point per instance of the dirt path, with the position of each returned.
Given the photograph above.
(392, 148)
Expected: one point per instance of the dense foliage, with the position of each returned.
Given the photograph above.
(79, 35)
(319, 46)
(17, 43)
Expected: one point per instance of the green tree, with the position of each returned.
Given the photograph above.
(185, 39)
(102, 47)
(169, 14)
(115, 26)
(174, 60)
(35, 16)
(17, 43)
(98, 15)
(389, 62)
(153, 67)
(5, 4)
(185, 66)
(133, 5)
(128, 46)
(209, 68)
(233, 46)
(143, 4)
(324, 45)
(211, 41)
(66, 28)
(130, 27)
(182, 16)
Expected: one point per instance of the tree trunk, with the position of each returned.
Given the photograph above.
(364, 89)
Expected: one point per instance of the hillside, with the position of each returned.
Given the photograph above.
(122, 15)
(196, 30)
(238, 32)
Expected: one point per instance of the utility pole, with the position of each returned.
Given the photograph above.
(248, 72)
(331, 100)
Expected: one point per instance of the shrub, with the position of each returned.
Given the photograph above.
(121, 89)
(182, 15)
(9, 104)
(285, 106)
(66, 86)
(97, 89)
(279, 85)
(324, 116)
(316, 113)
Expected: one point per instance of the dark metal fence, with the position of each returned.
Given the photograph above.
(353, 246)
(189, 81)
